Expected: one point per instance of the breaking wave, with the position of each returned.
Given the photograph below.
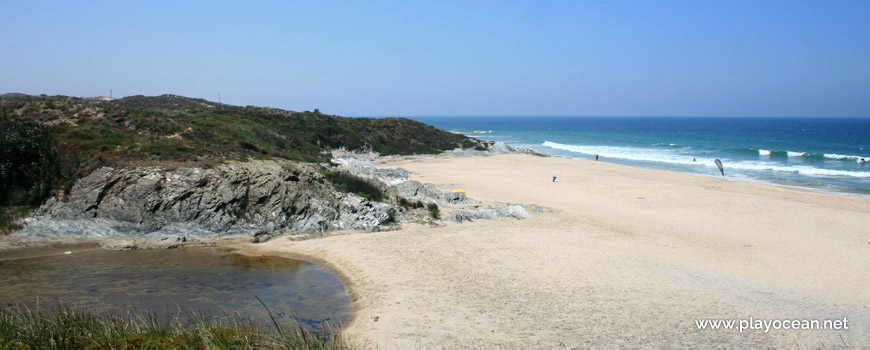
(471, 131)
(672, 157)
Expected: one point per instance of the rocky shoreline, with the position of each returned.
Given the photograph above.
(162, 207)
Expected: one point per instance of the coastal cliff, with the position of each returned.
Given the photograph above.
(255, 198)
(162, 170)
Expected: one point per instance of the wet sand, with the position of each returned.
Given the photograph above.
(632, 258)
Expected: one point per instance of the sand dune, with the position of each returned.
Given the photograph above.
(633, 257)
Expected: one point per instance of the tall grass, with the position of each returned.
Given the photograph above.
(345, 182)
(66, 328)
(9, 217)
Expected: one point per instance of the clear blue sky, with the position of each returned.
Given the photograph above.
(701, 58)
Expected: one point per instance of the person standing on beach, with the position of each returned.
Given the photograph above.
(596, 157)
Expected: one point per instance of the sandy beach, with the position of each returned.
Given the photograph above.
(632, 257)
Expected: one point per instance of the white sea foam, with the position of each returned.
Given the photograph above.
(764, 152)
(670, 157)
(629, 153)
(844, 157)
(795, 154)
(800, 169)
(471, 131)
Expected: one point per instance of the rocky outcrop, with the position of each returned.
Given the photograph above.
(500, 147)
(253, 198)
(453, 206)
(361, 165)
(509, 211)
(425, 193)
(160, 207)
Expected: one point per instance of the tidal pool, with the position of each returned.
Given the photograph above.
(173, 282)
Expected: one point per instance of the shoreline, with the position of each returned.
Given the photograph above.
(715, 176)
(623, 251)
(629, 258)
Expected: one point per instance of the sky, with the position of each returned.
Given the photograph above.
(429, 58)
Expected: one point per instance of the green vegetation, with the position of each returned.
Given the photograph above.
(30, 167)
(65, 328)
(50, 141)
(8, 217)
(433, 210)
(29, 163)
(348, 183)
(405, 203)
(391, 215)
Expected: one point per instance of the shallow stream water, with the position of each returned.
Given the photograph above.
(173, 282)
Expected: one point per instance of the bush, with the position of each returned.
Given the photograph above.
(29, 163)
(9, 216)
(169, 148)
(354, 184)
(391, 216)
(405, 203)
(433, 210)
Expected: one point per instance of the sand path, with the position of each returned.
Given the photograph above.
(634, 257)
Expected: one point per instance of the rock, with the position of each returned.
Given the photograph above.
(277, 197)
(261, 237)
(360, 165)
(489, 213)
(454, 197)
(516, 212)
(413, 190)
(462, 216)
(500, 147)
(118, 244)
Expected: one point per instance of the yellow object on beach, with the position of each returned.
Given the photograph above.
(458, 190)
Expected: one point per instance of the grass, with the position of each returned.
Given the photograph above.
(405, 203)
(8, 217)
(432, 208)
(348, 183)
(67, 328)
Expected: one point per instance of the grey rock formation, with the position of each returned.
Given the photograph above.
(454, 197)
(493, 212)
(413, 190)
(361, 166)
(252, 198)
(500, 147)
(159, 207)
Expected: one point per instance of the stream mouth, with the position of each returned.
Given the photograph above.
(172, 283)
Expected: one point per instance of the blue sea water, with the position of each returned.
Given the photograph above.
(815, 153)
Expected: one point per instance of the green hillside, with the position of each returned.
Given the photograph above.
(49, 141)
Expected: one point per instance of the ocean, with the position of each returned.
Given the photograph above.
(822, 154)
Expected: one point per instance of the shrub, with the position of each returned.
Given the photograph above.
(433, 210)
(29, 163)
(170, 148)
(9, 216)
(354, 184)
(391, 216)
(405, 203)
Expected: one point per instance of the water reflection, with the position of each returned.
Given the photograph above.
(169, 282)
